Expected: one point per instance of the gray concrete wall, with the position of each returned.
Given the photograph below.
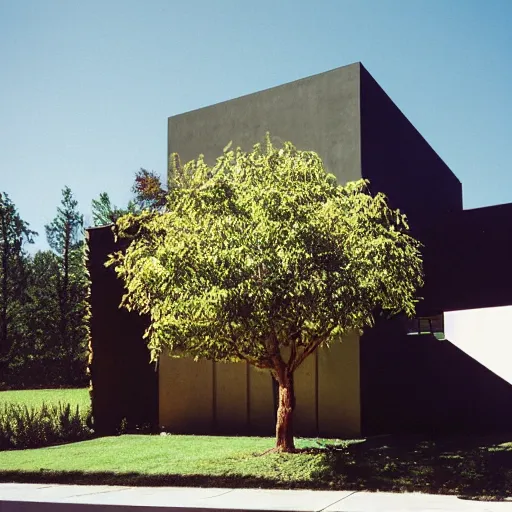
(319, 113)
(234, 398)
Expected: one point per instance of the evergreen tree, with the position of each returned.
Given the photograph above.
(38, 359)
(14, 233)
(148, 194)
(104, 212)
(65, 237)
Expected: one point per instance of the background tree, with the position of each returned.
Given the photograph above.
(38, 359)
(65, 237)
(104, 212)
(149, 194)
(14, 233)
(264, 258)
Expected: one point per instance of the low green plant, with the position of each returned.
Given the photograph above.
(123, 427)
(30, 427)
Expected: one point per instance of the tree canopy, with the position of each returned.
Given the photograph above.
(148, 194)
(104, 212)
(43, 300)
(14, 233)
(148, 191)
(65, 237)
(263, 254)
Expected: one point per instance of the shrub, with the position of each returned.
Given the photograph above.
(24, 427)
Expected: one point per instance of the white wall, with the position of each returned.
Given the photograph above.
(485, 334)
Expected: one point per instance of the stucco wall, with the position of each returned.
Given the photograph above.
(224, 398)
(231, 397)
(305, 382)
(262, 402)
(319, 113)
(186, 392)
(339, 398)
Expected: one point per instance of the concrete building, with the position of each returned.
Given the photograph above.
(385, 381)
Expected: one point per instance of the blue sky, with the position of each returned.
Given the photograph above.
(86, 87)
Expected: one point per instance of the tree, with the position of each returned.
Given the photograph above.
(65, 237)
(148, 191)
(14, 232)
(264, 258)
(37, 358)
(104, 213)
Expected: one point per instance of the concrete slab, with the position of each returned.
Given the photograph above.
(181, 497)
(413, 502)
(51, 492)
(14, 496)
(83, 498)
(276, 500)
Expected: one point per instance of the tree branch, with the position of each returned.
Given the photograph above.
(306, 353)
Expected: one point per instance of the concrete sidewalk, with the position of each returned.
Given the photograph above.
(85, 498)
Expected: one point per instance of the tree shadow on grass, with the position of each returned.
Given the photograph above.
(468, 467)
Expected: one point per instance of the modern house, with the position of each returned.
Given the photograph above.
(396, 377)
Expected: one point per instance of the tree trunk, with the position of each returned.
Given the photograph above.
(284, 423)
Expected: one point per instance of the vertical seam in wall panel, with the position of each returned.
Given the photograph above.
(360, 401)
(362, 389)
(214, 396)
(248, 393)
(317, 426)
(157, 371)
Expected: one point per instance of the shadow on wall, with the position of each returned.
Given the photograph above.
(419, 384)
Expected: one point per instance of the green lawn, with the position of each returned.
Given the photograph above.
(36, 397)
(472, 466)
(167, 455)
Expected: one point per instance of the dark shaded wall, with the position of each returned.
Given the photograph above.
(399, 162)
(467, 260)
(418, 384)
(124, 383)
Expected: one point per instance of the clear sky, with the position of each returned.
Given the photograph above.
(86, 86)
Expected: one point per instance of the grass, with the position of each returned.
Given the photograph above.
(163, 455)
(471, 466)
(36, 397)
